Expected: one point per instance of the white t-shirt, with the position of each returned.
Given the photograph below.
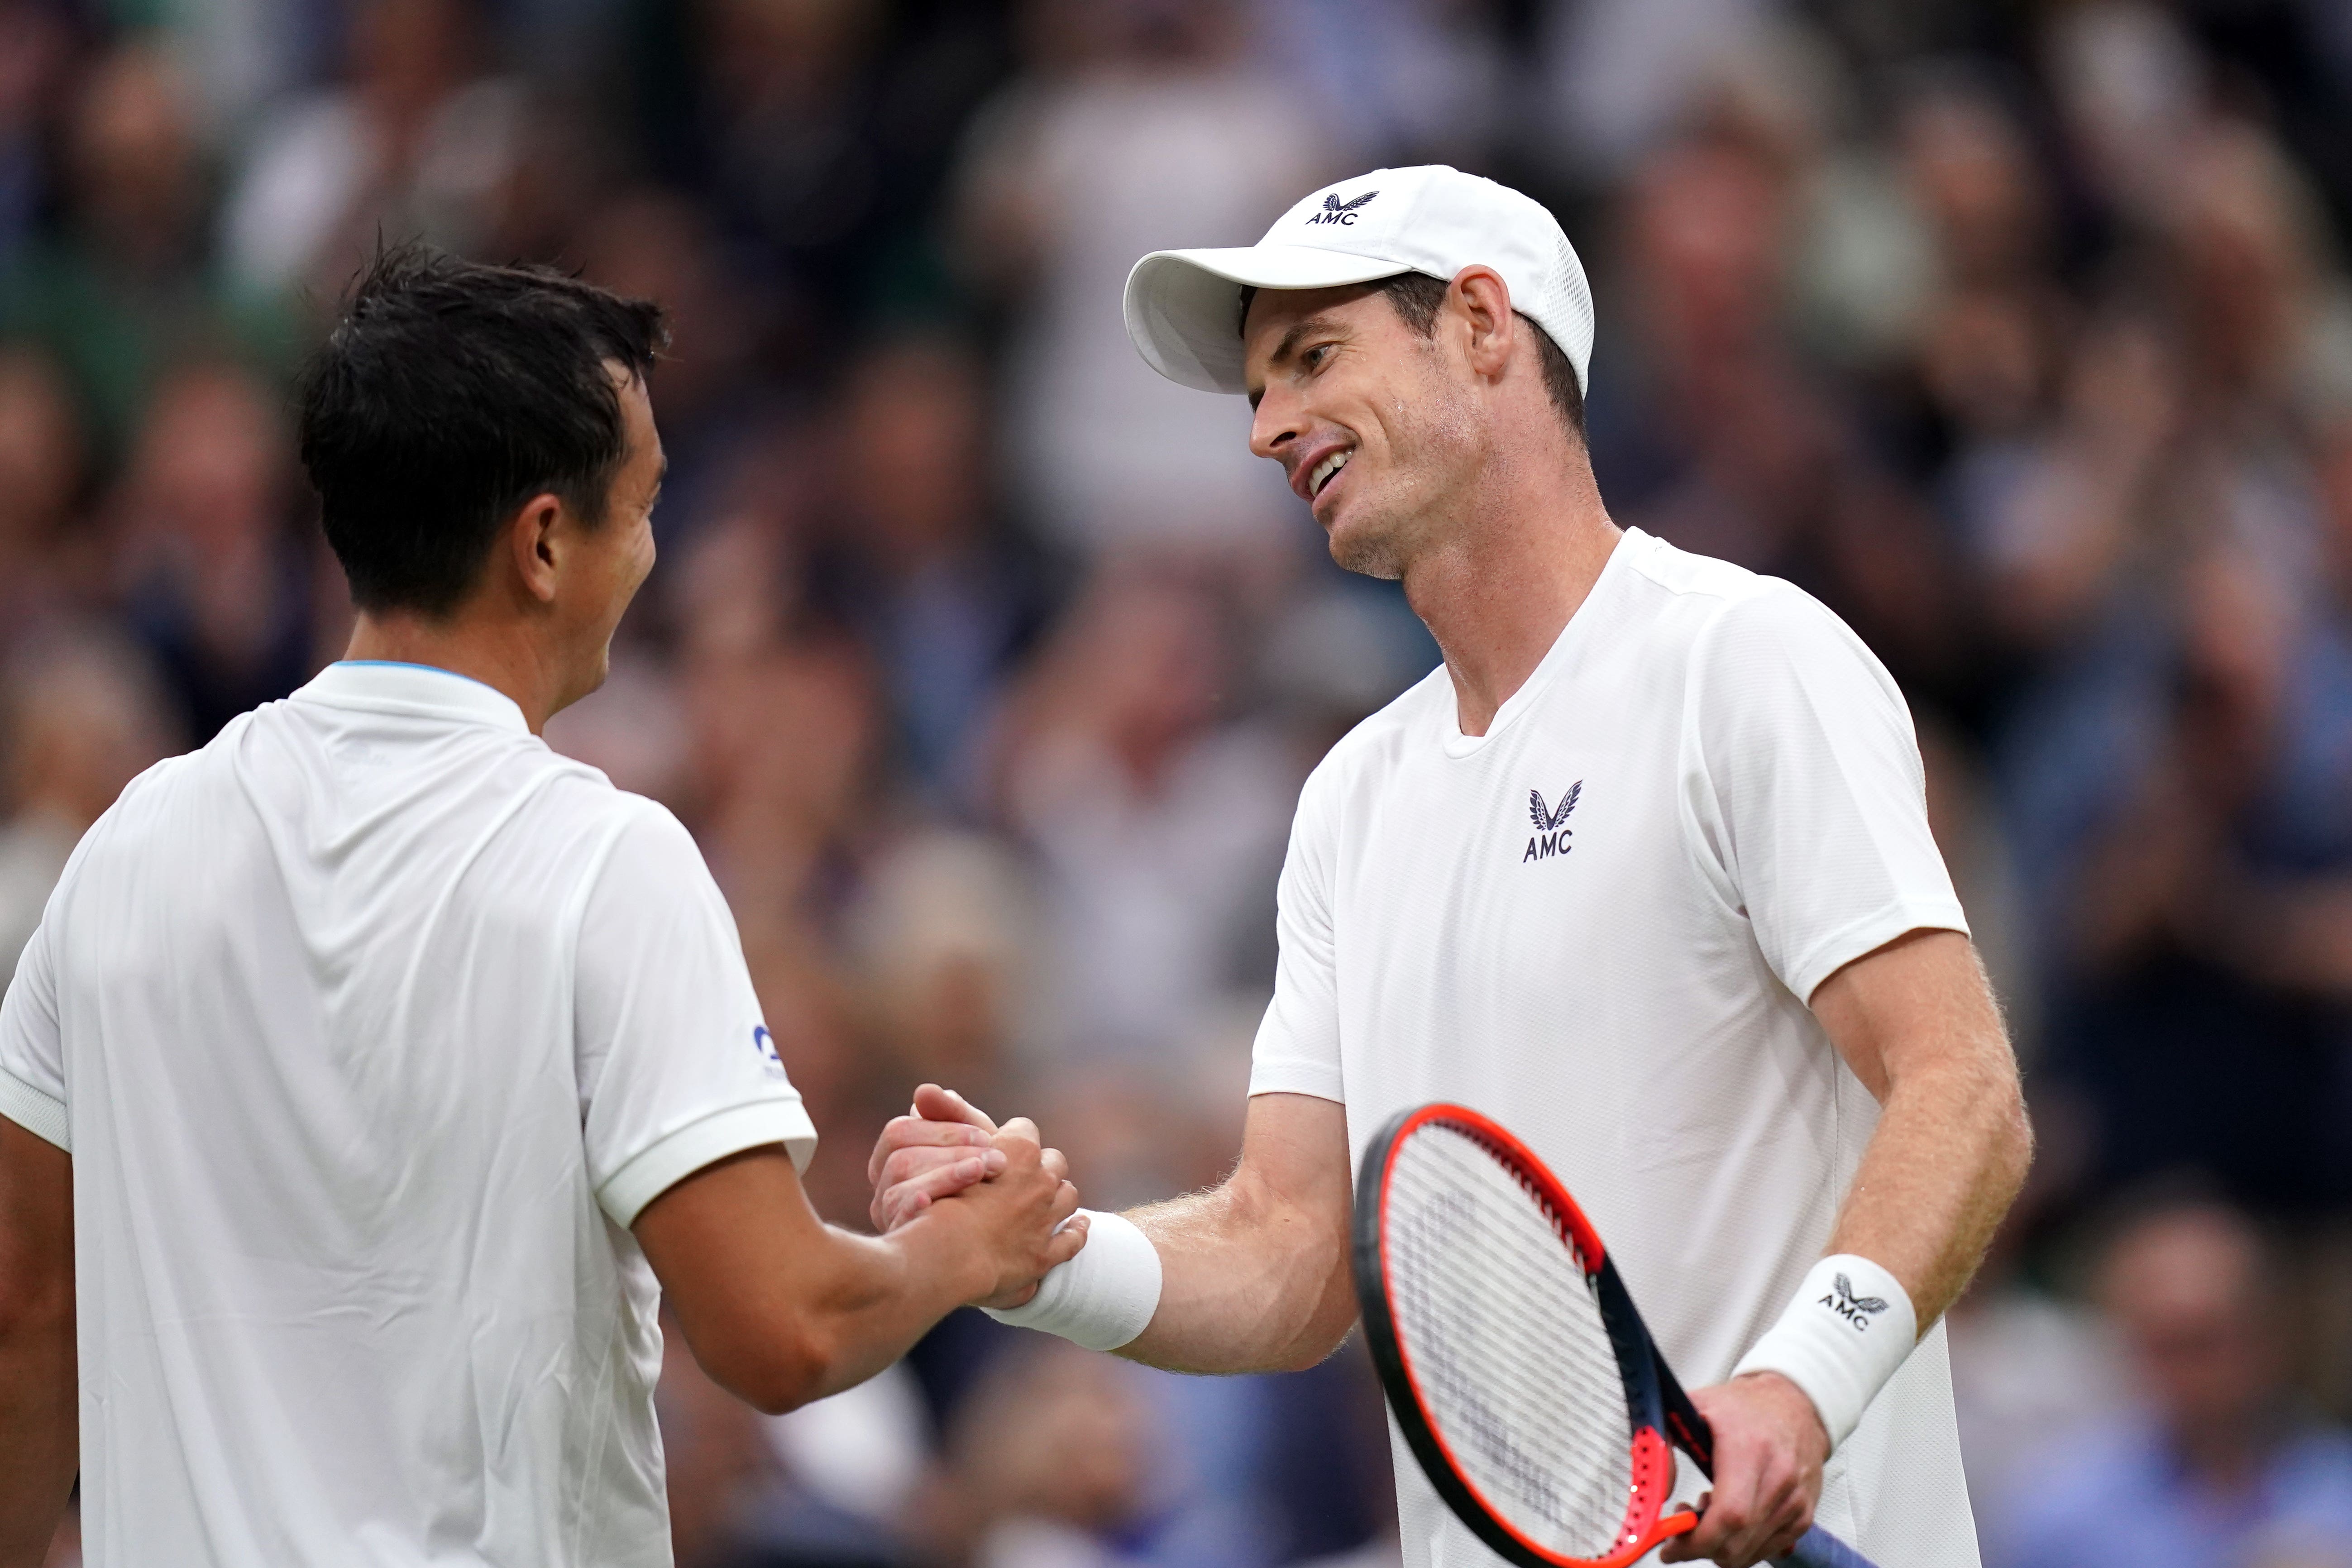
(371, 1026)
(1732, 806)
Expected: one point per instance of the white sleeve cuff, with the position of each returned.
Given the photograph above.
(42, 1115)
(1866, 936)
(1280, 1075)
(668, 1161)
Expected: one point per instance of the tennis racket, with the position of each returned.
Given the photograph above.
(1521, 1375)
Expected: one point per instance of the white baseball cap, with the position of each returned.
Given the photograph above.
(1183, 306)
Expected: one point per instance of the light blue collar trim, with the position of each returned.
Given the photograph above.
(410, 664)
(419, 690)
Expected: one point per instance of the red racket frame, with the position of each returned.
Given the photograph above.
(1645, 1398)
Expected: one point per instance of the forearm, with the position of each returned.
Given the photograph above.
(39, 1429)
(1248, 1283)
(1917, 1022)
(879, 1295)
(40, 1418)
(1948, 1159)
(781, 1307)
(1250, 1276)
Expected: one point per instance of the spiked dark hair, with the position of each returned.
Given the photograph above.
(448, 395)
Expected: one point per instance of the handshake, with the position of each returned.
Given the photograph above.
(946, 1163)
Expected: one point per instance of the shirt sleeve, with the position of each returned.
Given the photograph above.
(1811, 793)
(1297, 1045)
(677, 1069)
(32, 1048)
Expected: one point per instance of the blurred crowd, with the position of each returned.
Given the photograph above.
(985, 666)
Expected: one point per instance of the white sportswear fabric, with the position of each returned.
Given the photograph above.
(370, 1026)
(1102, 1298)
(1849, 1326)
(1735, 807)
(1183, 306)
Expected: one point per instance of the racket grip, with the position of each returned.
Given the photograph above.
(1817, 1547)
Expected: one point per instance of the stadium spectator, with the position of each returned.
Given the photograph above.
(215, 580)
(716, 396)
(1403, 81)
(944, 942)
(1727, 444)
(931, 584)
(785, 741)
(418, 140)
(784, 128)
(36, 49)
(84, 715)
(1155, 819)
(124, 286)
(1053, 1458)
(1137, 125)
(2223, 1467)
(45, 561)
(2196, 929)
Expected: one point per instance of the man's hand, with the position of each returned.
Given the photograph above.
(1019, 1212)
(1769, 1451)
(939, 1148)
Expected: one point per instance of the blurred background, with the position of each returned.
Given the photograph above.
(985, 665)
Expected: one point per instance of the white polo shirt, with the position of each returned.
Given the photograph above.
(371, 1026)
(1599, 923)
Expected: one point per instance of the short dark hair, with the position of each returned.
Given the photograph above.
(1415, 297)
(448, 395)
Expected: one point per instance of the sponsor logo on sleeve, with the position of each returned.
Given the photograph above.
(1553, 833)
(765, 1044)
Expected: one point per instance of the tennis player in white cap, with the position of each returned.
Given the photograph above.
(1644, 872)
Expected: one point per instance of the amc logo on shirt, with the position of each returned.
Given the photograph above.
(1552, 834)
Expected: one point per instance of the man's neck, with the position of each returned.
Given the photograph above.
(501, 658)
(1498, 593)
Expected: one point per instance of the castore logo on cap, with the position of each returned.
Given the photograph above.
(1339, 211)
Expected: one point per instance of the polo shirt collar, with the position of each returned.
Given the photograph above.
(415, 690)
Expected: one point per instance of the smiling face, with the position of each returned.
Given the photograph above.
(607, 558)
(1376, 426)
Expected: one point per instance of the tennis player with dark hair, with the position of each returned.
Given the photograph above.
(376, 1070)
(1642, 873)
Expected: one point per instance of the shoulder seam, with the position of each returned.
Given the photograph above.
(1748, 585)
(1365, 733)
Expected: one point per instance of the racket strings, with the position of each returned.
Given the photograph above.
(1508, 1350)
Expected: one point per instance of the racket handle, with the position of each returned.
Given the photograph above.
(1817, 1547)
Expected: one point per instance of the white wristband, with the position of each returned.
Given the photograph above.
(1851, 1325)
(1102, 1298)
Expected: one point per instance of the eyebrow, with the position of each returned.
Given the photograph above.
(1289, 344)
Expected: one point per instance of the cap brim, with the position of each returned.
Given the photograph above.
(1181, 304)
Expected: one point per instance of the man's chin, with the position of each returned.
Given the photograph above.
(588, 680)
(1367, 552)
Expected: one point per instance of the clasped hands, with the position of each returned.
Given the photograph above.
(1770, 1445)
(942, 1146)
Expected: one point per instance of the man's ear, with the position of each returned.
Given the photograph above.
(1482, 301)
(536, 546)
